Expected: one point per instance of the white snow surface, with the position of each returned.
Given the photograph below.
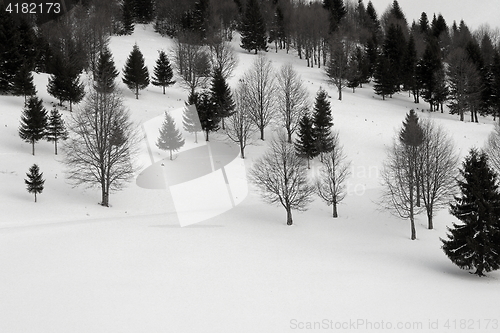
(70, 265)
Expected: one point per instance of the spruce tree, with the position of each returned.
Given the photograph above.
(23, 82)
(476, 242)
(337, 11)
(221, 96)
(143, 11)
(207, 113)
(35, 181)
(253, 28)
(64, 83)
(135, 73)
(56, 130)
(170, 138)
(75, 90)
(33, 122)
(383, 77)
(190, 118)
(162, 73)
(305, 145)
(322, 123)
(127, 19)
(106, 73)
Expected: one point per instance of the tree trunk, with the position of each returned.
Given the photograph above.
(413, 231)
(289, 220)
(262, 133)
(55, 146)
(195, 137)
(104, 195)
(33, 147)
(163, 90)
(340, 92)
(35, 196)
(430, 224)
(206, 136)
(170, 154)
(335, 213)
(136, 91)
(242, 151)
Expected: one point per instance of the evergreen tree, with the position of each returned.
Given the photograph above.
(221, 96)
(23, 82)
(495, 70)
(305, 145)
(476, 242)
(56, 130)
(207, 113)
(35, 180)
(106, 73)
(383, 77)
(410, 65)
(426, 71)
(64, 84)
(322, 123)
(170, 138)
(33, 122)
(135, 73)
(162, 73)
(253, 28)
(337, 11)
(190, 118)
(143, 11)
(127, 18)
(10, 59)
(27, 44)
(394, 49)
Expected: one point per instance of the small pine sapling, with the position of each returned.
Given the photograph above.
(56, 129)
(135, 72)
(34, 182)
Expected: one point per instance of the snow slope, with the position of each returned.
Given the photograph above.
(70, 265)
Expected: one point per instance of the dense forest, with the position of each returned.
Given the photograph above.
(432, 59)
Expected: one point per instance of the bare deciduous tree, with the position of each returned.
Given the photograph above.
(239, 126)
(192, 63)
(281, 177)
(337, 67)
(292, 99)
(493, 149)
(330, 185)
(260, 81)
(102, 145)
(438, 169)
(398, 185)
(223, 57)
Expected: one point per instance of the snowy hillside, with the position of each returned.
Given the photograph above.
(70, 265)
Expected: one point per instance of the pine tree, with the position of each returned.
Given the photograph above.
(33, 122)
(207, 113)
(56, 130)
(27, 46)
(476, 242)
(337, 11)
(106, 73)
(253, 28)
(35, 180)
(23, 82)
(143, 11)
(162, 73)
(135, 73)
(170, 138)
(221, 96)
(64, 84)
(383, 77)
(322, 123)
(190, 118)
(305, 145)
(127, 9)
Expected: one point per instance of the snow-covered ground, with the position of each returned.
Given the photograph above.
(70, 265)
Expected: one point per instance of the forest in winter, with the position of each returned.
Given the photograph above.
(288, 164)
